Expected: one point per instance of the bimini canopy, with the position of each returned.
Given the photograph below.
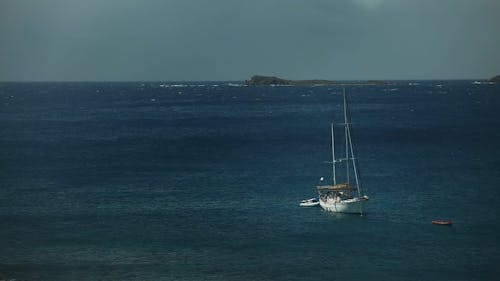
(337, 187)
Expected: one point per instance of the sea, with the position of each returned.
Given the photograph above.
(202, 181)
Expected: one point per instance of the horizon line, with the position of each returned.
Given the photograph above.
(243, 80)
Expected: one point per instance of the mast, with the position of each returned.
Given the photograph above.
(333, 157)
(346, 131)
(354, 165)
(349, 145)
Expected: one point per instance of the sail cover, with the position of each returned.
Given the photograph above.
(340, 186)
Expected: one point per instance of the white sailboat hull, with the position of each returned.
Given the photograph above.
(351, 206)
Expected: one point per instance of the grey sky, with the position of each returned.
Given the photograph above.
(115, 40)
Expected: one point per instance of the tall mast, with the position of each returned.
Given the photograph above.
(333, 157)
(346, 137)
(349, 143)
(354, 166)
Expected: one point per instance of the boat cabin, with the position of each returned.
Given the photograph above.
(337, 192)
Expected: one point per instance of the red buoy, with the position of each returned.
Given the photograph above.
(442, 222)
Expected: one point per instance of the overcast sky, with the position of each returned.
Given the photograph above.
(116, 40)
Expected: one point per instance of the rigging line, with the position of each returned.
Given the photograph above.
(354, 159)
(346, 125)
(333, 156)
(354, 164)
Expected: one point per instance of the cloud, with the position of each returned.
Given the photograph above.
(225, 39)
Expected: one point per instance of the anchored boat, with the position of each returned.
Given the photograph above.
(345, 197)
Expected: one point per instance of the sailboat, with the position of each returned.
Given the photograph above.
(344, 197)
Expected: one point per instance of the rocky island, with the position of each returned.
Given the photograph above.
(495, 79)
(260, 80)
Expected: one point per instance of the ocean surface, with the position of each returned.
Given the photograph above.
(202, 180)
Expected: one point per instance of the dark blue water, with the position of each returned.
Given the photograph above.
(145, 181)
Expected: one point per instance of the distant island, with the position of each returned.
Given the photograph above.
(260, 80)
(495, 79)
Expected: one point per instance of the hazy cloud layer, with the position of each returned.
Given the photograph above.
(231, 40)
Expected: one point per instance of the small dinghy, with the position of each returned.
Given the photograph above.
(442, 222)
(309, 202)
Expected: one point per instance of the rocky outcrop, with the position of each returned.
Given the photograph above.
(260, 80)
(495, 79)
